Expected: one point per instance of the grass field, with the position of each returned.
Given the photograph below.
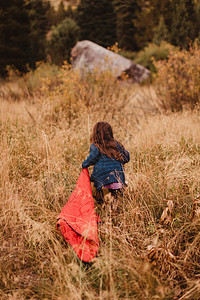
(44, 139)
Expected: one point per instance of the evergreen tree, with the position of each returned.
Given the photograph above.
(71, 12)
(14, 35)
(61, 13)
(97, 21)
(144, 24)
(161, 32)
(183, 28)
(175, 21)
(152, 16)
(197, 9)
(52, 16)
(126, 14)
(57, 16)
(39, 20)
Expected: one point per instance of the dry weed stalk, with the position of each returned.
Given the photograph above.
(195, 215)
(167, 215)
(158, 253)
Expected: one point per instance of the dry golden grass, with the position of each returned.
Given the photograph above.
(41, 153)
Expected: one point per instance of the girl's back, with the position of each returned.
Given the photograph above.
(108, 157)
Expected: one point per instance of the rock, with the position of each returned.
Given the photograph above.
(88, 57)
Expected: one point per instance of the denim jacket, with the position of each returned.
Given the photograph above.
(106, 170)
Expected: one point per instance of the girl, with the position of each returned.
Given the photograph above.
(108, 157)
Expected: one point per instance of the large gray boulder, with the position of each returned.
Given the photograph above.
(88, 57)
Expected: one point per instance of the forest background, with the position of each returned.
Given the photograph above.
(37, 30)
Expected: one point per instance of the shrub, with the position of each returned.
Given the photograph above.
(153, 53)
(34, 80)
(94, 93)
(128, 54)
(17, 87)
(178, 79)
(63, 38)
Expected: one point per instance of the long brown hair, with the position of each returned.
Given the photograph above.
(102, 137)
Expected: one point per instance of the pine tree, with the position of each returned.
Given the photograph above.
(61, 13)
(52, 16)
(38, 11)
(14, 35)
(175, 21)
(197, 10)
(126, 14)
(71, 12)
(183, 28)
(97, 21)
(151, 17)
(144, 24)
(161, 32)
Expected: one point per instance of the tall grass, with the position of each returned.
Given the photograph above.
(41, 153)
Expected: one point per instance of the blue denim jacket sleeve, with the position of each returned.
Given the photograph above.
(93, 157)
(125, 155)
